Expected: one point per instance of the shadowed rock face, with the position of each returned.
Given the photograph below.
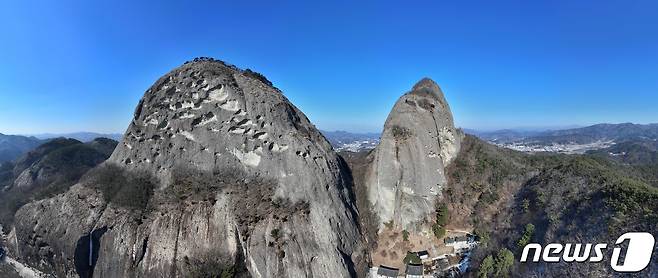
(263, 190)
(86, 253)
(407, 172)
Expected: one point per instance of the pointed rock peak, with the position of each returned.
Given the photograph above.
(425, 82)
(407, 173)
(427, 86)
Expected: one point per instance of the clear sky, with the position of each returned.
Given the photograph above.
(83, 65)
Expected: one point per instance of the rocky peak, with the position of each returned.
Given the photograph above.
(207, 113)
(407, 173)
(429, 87)
(244, 181)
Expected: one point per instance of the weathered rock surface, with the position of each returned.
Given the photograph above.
(407, 173)
(244, 182)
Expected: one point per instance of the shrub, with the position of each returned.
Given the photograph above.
(400, 133)
(6, 174)
(9, 204)
(412, 258)
(124, 188)
(486, 267)
(439, 231)
(504, 262)
(212, 269)
(425, 104)
(527, 235)
(483, 236)
(275, 233)
(192, 184)
(525, 205)
(441, 220)
(442, 215)
(258, 76)
(405, 235)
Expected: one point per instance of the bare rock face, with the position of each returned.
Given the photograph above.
(217, 172)
(407, 173)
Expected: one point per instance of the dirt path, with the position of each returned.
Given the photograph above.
(392, 248)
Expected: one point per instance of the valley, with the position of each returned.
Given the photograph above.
(567, 148)
(570, 141)
(352, 142)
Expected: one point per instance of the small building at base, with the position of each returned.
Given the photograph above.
(414, 271)
(387, 272)
(423, 255)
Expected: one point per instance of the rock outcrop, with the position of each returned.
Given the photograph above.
(407, 173)
(217, 173)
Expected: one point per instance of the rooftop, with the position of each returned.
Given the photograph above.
(413, 269)
(387, 271)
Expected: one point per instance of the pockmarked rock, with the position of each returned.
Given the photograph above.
(217, 173)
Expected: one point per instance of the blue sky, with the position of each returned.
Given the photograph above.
(83, 65)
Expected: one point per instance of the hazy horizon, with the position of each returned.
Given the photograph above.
(41, 135)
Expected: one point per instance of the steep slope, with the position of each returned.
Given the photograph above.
(13, 146)
(407, 172)
(217, 174)
(567, 198)
(47, 170)
(633, 152)
(639, 158)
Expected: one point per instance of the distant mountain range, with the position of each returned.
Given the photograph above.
(575, 140)
(599, 132)
(80, 136)
(13, 146)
